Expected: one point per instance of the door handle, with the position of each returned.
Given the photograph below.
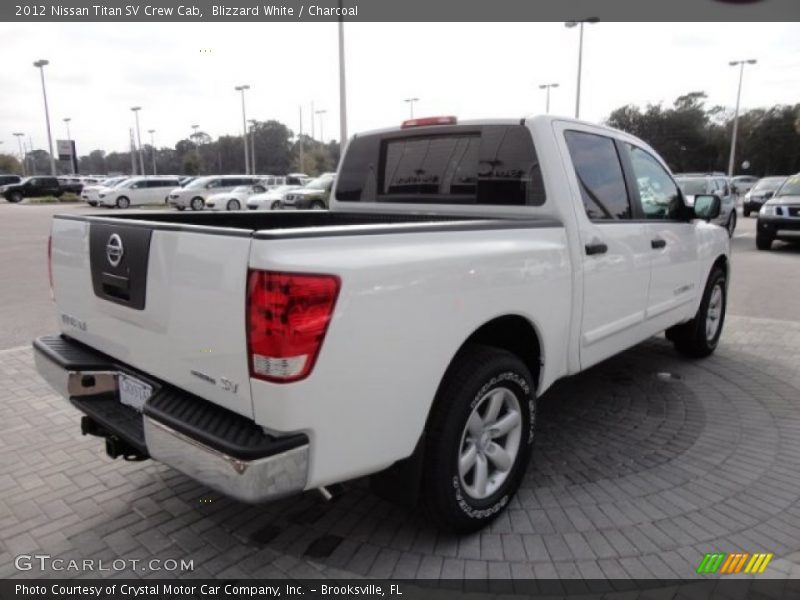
(658, 243)
(596, 248)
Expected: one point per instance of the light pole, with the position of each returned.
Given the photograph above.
(69, 139)
(547, 86)
(570, 24)
(410, 102)
(136, 110)
(41, 64)
(321, 134)
(253, 145)
(196, 139)
(153, 149)
(242, 88)
(19, 137)
(740, 64)
(342, 87)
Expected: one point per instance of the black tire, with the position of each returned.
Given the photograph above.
(181, 207)
(233, 204)
(317, 205)
(276, 205)
(691, 338)
(123, 202)
(14, 197)
(731, 224)
(745, 212)
(474, 374)
(197, 203)
(763, 241)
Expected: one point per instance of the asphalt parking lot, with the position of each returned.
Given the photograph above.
(642, 464)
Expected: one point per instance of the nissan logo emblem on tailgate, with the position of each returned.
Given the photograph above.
(114, 250)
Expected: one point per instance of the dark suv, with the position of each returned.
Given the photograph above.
(6, 179)
(32, 187)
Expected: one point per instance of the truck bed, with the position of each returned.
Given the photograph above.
(297, 224)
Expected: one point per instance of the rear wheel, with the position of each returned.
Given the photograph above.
(731, 224)
(197, 203)
(745, 212)
(15, 197)
(479, 438)
(181, 207)
(233, 205)
(275, 205)
(763, 241)
(123, 202)
(699, 337)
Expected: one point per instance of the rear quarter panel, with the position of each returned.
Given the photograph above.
(406, 305)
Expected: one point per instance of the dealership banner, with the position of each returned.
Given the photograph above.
(401, 10)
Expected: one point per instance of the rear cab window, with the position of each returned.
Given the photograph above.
(457, 165)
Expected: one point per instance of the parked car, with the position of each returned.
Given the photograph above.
(70, 185)
(195, 193)
(138, 191)
(90, 193)
(184, 181)
(741, 184)
(272, 199)
(31, 187)
(236, 198)
(313, 195)
(6, 179)
(717, 185)
(405, 333)
(779, 217)
(762, 191)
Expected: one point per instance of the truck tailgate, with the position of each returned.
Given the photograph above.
(166, 301)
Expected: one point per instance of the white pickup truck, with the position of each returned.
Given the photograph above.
(406, 333)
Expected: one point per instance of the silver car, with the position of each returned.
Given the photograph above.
(716, 185)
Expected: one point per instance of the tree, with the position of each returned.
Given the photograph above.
(10, 164)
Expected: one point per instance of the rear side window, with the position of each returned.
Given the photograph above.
(492, 164)
(599, 173)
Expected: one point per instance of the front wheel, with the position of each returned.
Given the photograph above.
(479, 438)
(317, 205)
(123, 202)
(745, 211)
(181, 207)
(15, 197)
(699, 337)
(233, 205)
(197, 203)
(276, 205)
(763, 241)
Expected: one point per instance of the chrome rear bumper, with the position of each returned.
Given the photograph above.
(251, 479)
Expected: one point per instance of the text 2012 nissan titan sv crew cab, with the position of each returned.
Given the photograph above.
(407, 332)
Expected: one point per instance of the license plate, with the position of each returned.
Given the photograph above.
(133, 392)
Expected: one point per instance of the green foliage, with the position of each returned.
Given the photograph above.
(692, 137)
(9, 164)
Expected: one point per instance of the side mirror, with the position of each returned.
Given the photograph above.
(706, 206)
(768, 195)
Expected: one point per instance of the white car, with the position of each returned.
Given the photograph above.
(90, 193)
(235, 199)
(195, 194)
(138, 191)
(406, 333)
(718, 186)
(272, 199)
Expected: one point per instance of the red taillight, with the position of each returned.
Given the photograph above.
(429, 121)
(50, 265)
(287, 317)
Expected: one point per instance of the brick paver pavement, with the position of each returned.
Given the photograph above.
(641, 466)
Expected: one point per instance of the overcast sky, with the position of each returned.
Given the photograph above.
(185, 73)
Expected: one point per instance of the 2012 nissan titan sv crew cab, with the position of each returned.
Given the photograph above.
(406, 333)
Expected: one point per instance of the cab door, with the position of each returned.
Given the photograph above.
(673, 248)
(615, 250)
